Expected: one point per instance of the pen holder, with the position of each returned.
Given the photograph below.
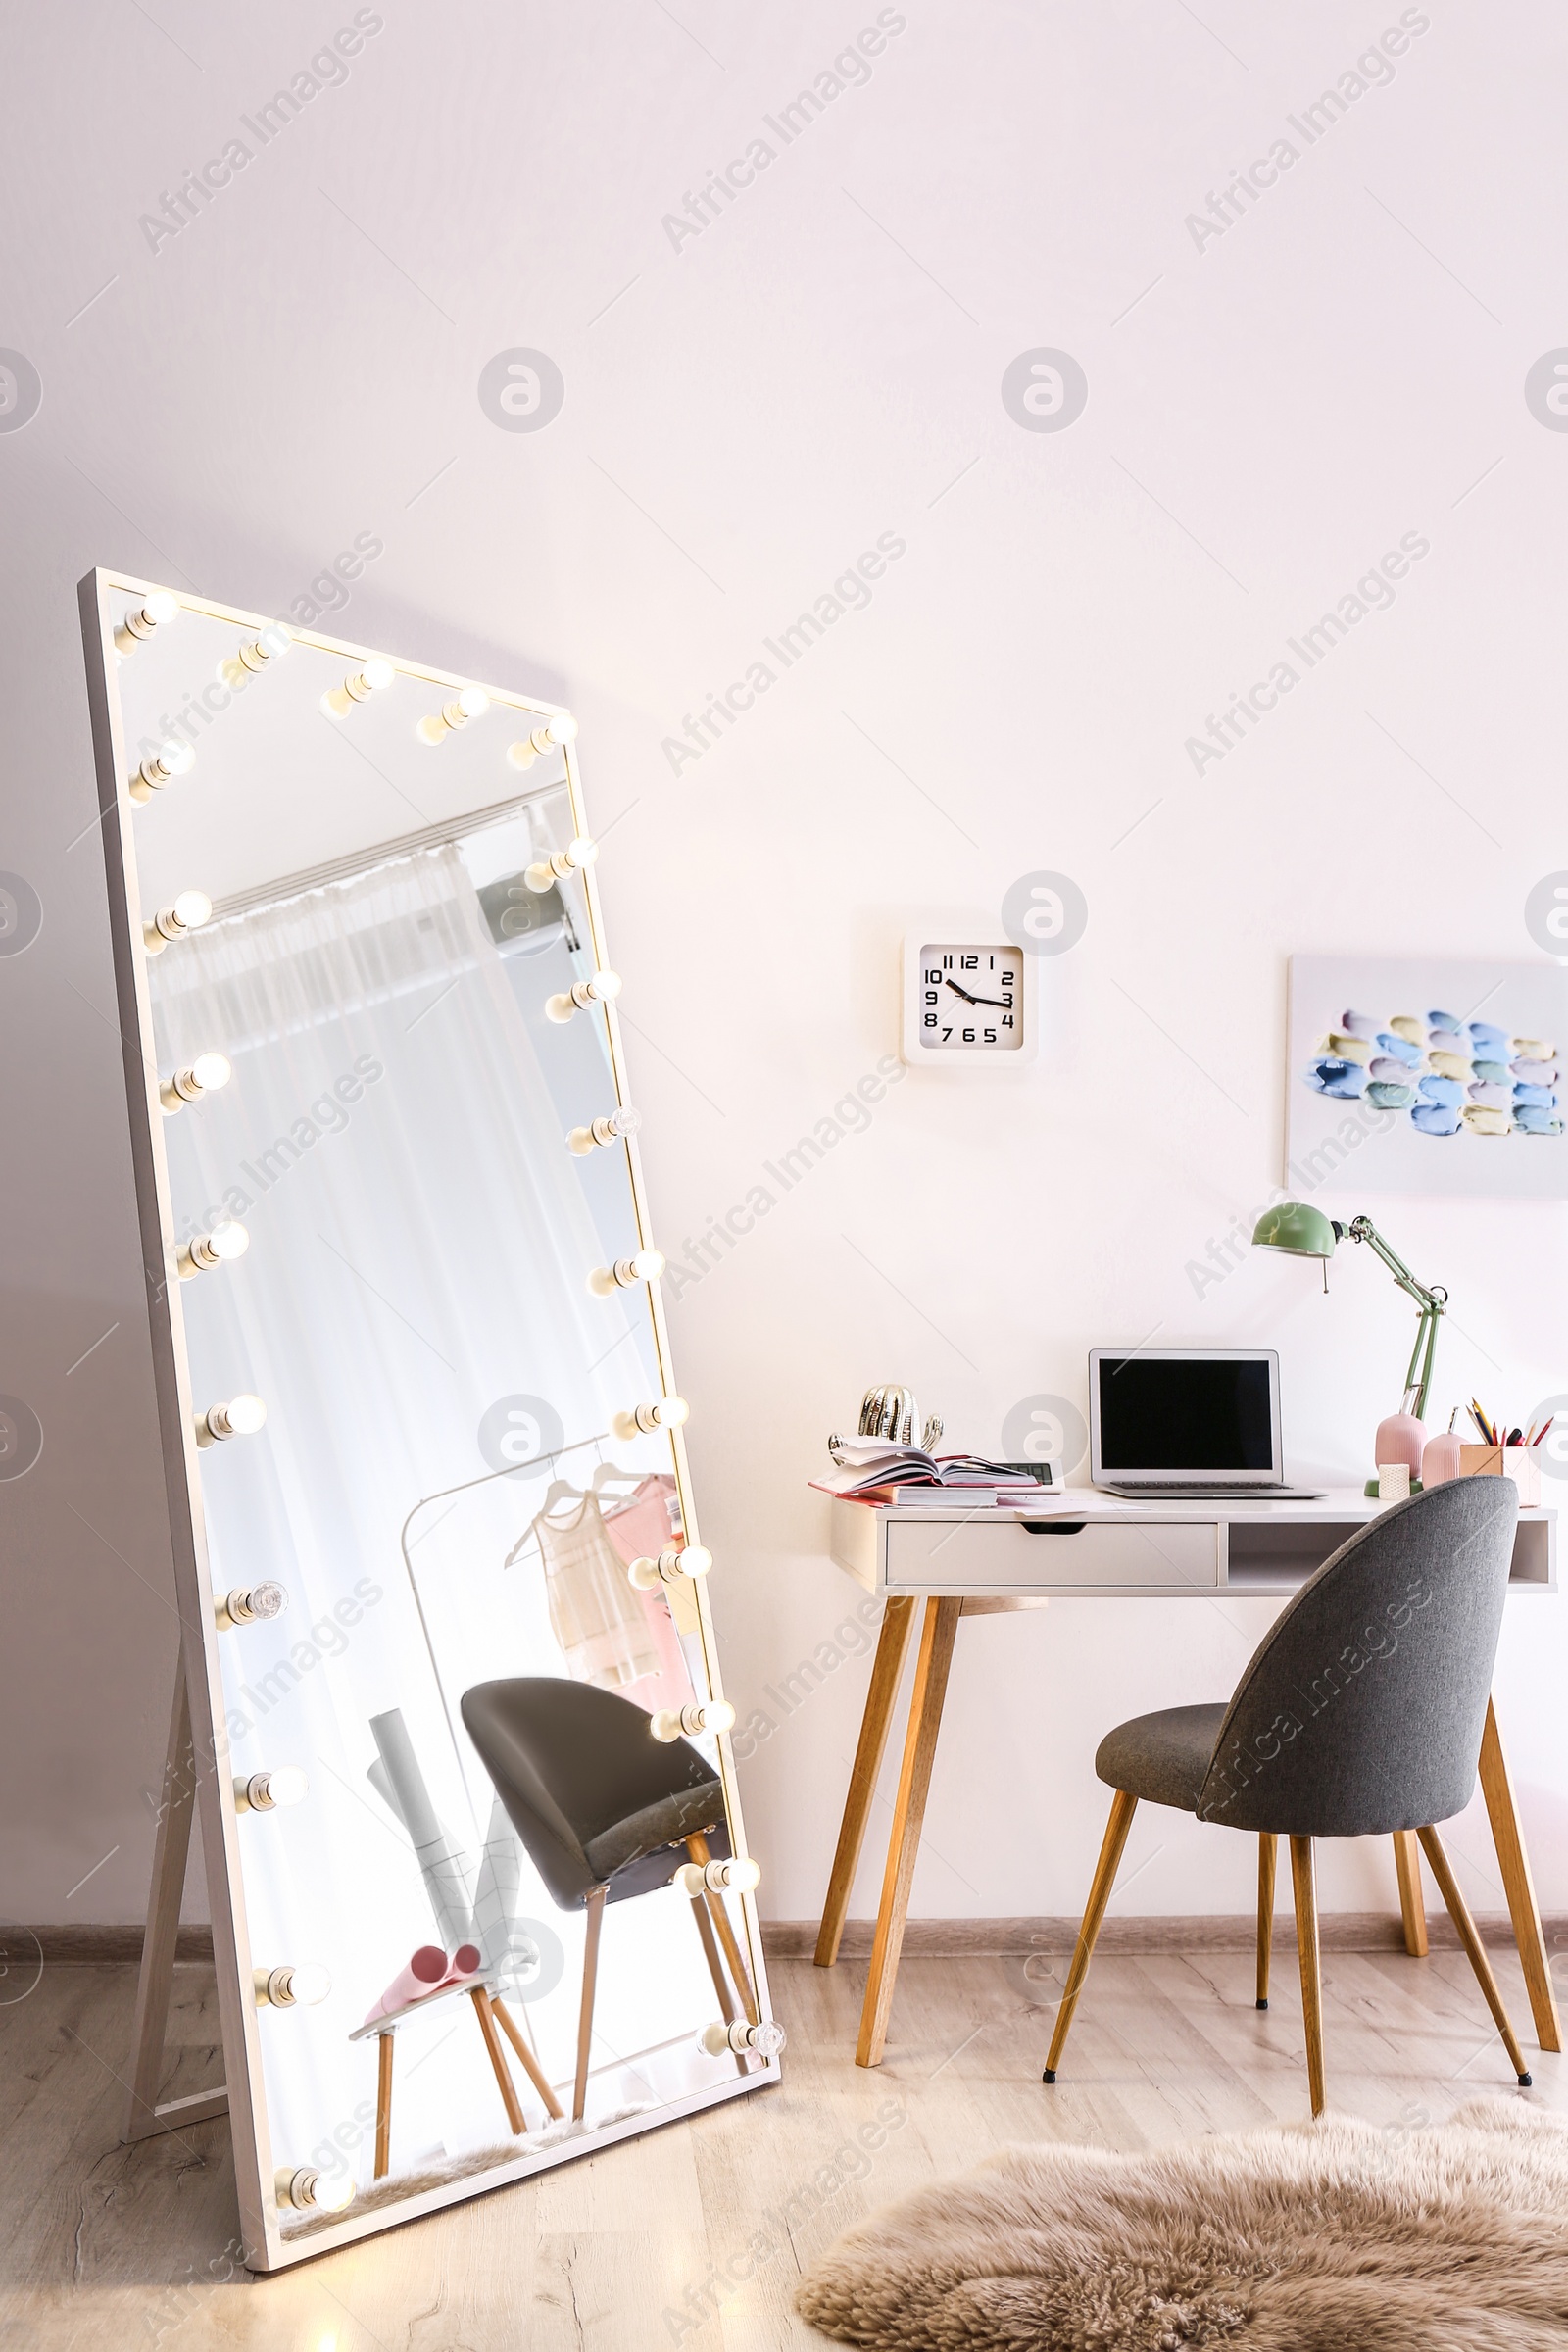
(1517, 1462)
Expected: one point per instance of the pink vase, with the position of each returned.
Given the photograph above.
(1399, 1438)
(1440, 1460)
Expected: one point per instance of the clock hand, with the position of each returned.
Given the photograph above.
(1001, 1003)
(960, 991)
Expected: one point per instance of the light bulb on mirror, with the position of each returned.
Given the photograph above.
(188, 913)
(699, 1715)
(249, 1604)
(297, 1984)
(357, 687)
(140, 621)
(436, 725)
(602, 988)
(168, 761)
(765, 2040)
(555, 732)
(227, 1241)
(739, 1874)
(203, 1076)
(560, 865)
(611, 1129)
(670, 1567)
(665, 1412)
(306, 2190)
(237, 671)
(266, 1791)
(240, 1417)
(625, 1273)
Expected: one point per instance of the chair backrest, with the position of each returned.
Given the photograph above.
(1363, 1706)
(568, 1761)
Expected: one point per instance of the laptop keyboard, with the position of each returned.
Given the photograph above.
(1155, 1486)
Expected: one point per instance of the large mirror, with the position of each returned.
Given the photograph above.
(451, 1704)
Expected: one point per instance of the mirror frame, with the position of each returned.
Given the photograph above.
(265, 2247)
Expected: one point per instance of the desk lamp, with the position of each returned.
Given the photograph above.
(1301, 1231)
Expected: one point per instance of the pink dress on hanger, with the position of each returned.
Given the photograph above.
(642, 1528)
(595, 1611)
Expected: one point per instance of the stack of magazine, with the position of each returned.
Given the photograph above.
(877, 1472)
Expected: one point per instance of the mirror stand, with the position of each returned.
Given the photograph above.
(145, 2115)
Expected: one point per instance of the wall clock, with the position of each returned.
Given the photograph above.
(968, 996)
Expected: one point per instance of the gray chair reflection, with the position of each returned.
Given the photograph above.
(1360, 1714)
(606, 1812)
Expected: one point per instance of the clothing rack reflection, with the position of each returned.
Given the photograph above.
(466, 1486)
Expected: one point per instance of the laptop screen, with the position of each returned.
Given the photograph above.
(1161, 1414)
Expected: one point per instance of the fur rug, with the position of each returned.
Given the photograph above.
(1331, 2237)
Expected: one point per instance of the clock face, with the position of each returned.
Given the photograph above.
(970, 1000)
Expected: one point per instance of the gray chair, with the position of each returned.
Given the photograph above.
(1360, 1714)
(606, 1812)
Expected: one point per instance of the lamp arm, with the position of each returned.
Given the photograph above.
(1362, 1229)
(1431, 1299)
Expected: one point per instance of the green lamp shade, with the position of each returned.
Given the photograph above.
(1296, 1227)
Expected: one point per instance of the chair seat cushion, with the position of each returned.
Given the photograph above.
(1162, 1757)
(660, 1823)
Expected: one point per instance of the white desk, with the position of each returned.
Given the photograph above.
(1076, 1544)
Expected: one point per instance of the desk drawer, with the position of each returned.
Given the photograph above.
(1003, 1554)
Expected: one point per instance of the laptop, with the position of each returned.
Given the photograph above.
(1188, 1421)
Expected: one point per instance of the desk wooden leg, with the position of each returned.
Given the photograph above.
(1514, 1863)
(1412, 1901)
(383, 2104)
(498, 2058)
(891, 1642)
(915, 1781)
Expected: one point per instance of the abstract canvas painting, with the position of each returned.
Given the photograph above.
(1431, 1076)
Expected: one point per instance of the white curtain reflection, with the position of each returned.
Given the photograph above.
(393, 1141)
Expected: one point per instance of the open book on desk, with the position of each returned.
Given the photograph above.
(875, 1472)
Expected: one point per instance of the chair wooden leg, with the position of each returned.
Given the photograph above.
(891, 1642)
(383, 2104)
(937, 1637)
(1267, 1862)
(700, 1851)
(728, 2007)
(1122, 1809)
(1303, 1879)
(1412, 1902)
(498, 2058)
(1518, 1884)
(531, 2066)
(585, 2015)
(1459, 1912)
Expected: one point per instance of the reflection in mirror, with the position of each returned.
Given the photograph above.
(490, 1896)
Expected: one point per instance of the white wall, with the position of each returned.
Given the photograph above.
(1268, 413)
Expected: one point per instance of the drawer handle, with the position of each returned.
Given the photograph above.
(1054, 1527)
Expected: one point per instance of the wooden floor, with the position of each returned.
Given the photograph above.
(112, 2247)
